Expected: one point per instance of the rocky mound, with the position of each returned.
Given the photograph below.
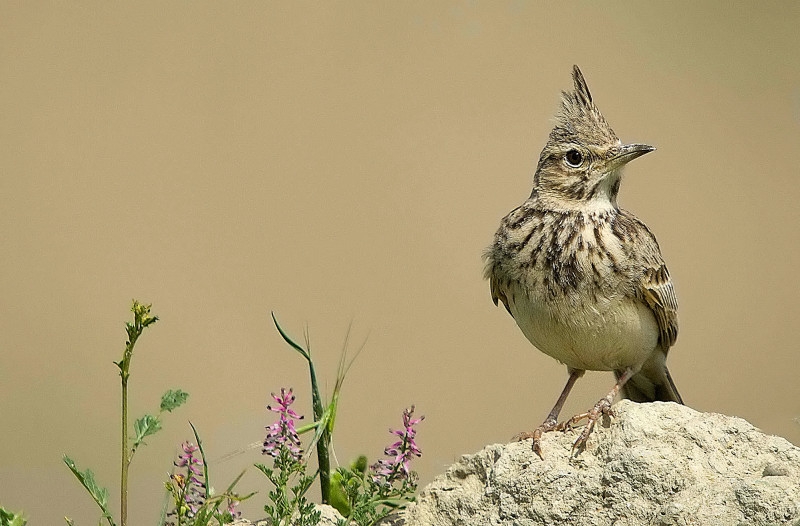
(654, 464)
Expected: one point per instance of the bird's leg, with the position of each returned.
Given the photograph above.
(602, 407)
(551, 422)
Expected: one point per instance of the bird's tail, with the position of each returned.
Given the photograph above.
(651, 384)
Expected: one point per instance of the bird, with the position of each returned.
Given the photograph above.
(584, 279)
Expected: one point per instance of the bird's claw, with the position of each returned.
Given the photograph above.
(602, 407)
(548, 425)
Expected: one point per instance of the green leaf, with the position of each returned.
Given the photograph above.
(288, 340)
(321, 430)
(341, 373)
(99, 494)
(360, 464)
(265, 470)
(9, 518)
(144, 427)
(242, 498)
(235, 482)
(172, 400)
(203, 456)
(306, 428)
(339, 498)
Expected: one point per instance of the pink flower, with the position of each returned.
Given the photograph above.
(192, 482)
(283, 434)
(396, 467)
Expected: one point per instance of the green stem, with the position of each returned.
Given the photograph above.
(141, 319)
(323, 456)
(124, 373)
(134, 331)
(181, 502)
(124, 477)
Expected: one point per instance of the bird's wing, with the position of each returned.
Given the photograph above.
(656, 287)
(497, 290)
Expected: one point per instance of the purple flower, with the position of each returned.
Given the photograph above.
(282, 435)
(232, 508)
(187, 460)
(400, 453)
(191, 483)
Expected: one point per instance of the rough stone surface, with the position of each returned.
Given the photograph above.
(652, 464)
(329, 517)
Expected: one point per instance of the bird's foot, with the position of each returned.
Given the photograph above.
(548, 425)
(602, 407)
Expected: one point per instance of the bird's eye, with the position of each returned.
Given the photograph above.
(573, 158)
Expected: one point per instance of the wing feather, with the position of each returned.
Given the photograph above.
(655, 286)
(658, 292)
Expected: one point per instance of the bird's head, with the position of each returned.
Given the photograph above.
(582, 160)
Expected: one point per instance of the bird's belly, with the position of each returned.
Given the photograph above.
(611, 334)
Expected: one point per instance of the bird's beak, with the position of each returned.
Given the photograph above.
(629, 152)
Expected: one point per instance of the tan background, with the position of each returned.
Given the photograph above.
(350, 162)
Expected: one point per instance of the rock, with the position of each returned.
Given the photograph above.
(651, 464)
(328, 517)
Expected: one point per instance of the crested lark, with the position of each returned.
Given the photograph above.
(585, 280)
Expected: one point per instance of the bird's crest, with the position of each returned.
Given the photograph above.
(579, 120)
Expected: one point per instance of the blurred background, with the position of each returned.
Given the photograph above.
(347, 163)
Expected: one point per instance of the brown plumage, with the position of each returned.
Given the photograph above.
(585, 280)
